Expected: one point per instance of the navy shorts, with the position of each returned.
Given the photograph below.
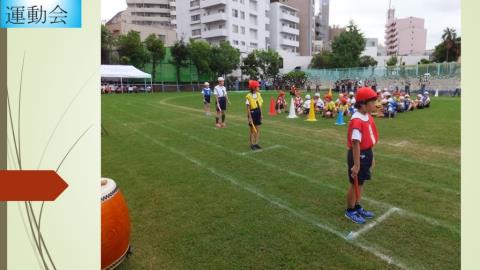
(206, 99)
(222, 103)
(366, 160)
(256, 117)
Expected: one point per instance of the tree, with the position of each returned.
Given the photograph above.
(107, 44)
(297, 77)
(199, 51)
(157, 52)
(224, 58)
(269, 62)
(424, 61)
(130, 46)
(449, 36)
(367, 61)
(323, 59)
(392, 61)
(180, 55)
(440, 53)
(348, 47)
(250, 65)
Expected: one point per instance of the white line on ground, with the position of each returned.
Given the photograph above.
(403, 178)
(276, 146)
(370, 225)
(434, 165)
(401, 211)
(272, 200)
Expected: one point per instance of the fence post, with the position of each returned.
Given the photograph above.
(438, 69)
(416, 71)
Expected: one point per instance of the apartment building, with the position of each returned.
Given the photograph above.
(406, 36)
(244, 23)
(284, 28)
(306, 13)
(146, 17)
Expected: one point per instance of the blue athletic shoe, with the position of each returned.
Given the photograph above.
(354, 216)
(364, 213)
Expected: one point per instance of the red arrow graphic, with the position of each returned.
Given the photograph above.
(31, 185)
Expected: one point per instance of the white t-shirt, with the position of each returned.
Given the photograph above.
(320, 103)
(220, 91)
(306, 104)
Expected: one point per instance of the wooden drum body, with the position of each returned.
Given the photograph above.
(115, 225)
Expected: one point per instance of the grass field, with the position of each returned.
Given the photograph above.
(200, 199)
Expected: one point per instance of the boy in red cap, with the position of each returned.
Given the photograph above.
(362, 137)
(254, 103)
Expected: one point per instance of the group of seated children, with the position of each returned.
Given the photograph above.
(388, 105)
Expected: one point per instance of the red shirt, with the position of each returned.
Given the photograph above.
(367, 128)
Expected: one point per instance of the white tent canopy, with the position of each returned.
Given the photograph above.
(125, 72)
(120, 72)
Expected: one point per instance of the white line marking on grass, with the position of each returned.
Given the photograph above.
(370, 225)
(273, 147)
(272, 200)
(403, 212)
(434, 165)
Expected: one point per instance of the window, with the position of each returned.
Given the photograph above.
(235, 28)
(235, 13)
(235, 42)
(242, 30)
(195, 17)
(196, 32)
(243, 43)
(253, 4)
(242, 15)
(253, 19)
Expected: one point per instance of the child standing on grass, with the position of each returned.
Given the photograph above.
(206, 92)
(362, 137)
(254, 103)
(221, 97)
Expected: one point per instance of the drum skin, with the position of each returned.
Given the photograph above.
(115, 226)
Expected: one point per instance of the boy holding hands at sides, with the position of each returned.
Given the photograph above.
(221, 97)
(362, 137)
(254, 103)
(206, 93)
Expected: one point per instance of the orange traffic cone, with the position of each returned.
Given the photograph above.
(272, 107)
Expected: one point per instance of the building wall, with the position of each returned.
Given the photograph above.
(306, 10)
(284, 32)
(244, 23)
(405, 36)
(412, 36)
(121, 24)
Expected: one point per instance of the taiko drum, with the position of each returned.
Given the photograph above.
(115, 225)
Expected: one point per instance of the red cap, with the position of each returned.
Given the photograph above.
(252, 84)
(282, 93)
(343, 100)
(364, 94)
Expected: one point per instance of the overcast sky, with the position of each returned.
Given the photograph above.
(370, 15)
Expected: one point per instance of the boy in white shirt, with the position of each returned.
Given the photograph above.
(221, 97)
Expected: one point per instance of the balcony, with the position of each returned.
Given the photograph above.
(289, 30)
(214, 17)
(289, 42)
(212, 33)
(211, 3)
(289, 17)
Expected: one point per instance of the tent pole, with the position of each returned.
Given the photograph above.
(151, 85)
(145, 84)
(121, 83)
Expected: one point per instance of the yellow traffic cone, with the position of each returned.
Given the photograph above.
(311, 113)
